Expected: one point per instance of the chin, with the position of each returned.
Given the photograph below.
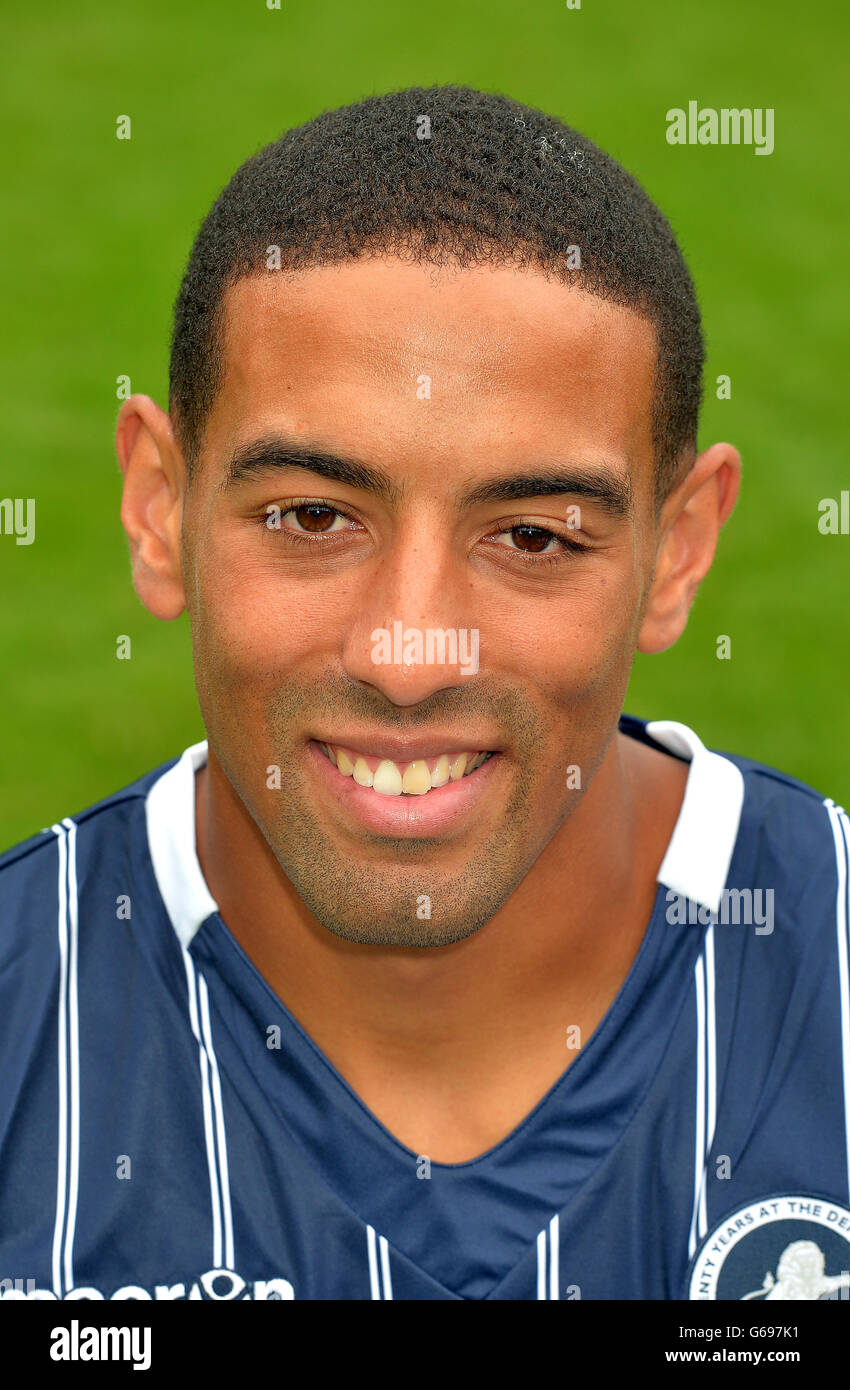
(409, 917)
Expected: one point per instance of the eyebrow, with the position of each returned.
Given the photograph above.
(276, 452)
(600, 484)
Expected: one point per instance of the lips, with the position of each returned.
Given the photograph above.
(455, 808)
(411, 776)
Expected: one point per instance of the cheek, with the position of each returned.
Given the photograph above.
(249, 627)
(580, 644)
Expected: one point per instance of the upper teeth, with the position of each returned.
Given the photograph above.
(389, 778)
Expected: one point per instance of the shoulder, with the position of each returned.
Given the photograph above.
(796, 824)
(31, 871)
(775, 799)
(745, 825)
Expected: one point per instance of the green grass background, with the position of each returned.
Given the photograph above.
(96, 232)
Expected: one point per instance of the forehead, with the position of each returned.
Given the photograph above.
(412, 362)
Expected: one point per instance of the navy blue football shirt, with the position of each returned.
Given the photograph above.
(169, 1131)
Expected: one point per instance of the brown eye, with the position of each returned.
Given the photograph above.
(314, 517)
(530, 538)
(311, 519)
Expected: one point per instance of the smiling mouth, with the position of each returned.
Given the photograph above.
(414, 778)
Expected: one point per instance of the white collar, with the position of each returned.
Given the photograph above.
(700, 850)
(170, 813)
(696, 863)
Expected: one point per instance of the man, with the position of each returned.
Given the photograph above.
(427, 975)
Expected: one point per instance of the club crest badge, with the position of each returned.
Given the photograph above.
(777, 1249)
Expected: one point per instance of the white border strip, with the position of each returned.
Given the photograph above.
(73, 1053)
(549, 1264)
(699, 1134)
(710, 1073)
(385, 1266)
(541, 1264)
(221, 1139)
(380, 1279)
(214, 1133)
(373, 1263)
(554, 1255)
(706, 1084)
(841, 835)
(62, 1156)
(68, 1061)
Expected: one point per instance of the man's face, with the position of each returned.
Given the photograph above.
(439, 385)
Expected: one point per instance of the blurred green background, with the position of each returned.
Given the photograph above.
(96, 233)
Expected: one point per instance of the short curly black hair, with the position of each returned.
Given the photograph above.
(442, 175)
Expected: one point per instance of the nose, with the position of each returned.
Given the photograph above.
(414, 632)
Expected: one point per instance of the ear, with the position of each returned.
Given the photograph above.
(152, 504)
(689, 525)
